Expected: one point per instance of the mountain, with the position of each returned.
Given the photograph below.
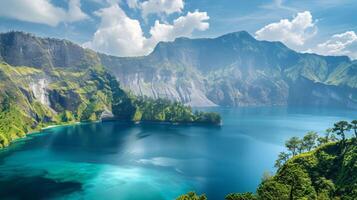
(47, 81)
(237, 70)
(232, 70)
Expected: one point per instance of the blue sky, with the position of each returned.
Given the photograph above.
(133, 27)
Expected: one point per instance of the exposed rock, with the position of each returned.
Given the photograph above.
(40, 92)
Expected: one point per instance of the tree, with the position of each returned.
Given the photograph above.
(192, 196)
(298, 182)
(272, 189)
(282, 158)
(329, 137)
(354, 127)
(309, 140)
(328, 133)
(340, 128)
(293, 144)
(241, 196)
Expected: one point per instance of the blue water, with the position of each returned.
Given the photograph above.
(114, 160)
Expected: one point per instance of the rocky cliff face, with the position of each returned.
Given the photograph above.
(22, 49)
(237, 70)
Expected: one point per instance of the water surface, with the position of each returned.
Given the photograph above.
(114, 160)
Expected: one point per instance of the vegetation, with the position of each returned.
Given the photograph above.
(192, 196)
(241, 196)
(163, 110)
(72, 96)
(314, 167)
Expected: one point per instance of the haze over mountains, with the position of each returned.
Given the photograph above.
(232, 70)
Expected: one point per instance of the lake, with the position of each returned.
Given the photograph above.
(114, 160)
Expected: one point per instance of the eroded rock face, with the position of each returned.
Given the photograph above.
(40, 91)
(21, 49)
(170, 86)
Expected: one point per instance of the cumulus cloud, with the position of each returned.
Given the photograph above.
(74, 12)
(41, 11)
(120, 35)
(157, 6)
(182, 26)
(293, 33)
(117, 33)
(338, 44)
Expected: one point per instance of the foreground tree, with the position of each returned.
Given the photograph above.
(329, 137)
(293, 144)
(192, 196)
(309, 140)
(282, 158)
(241, 196)
(340, 128)
(354, 127)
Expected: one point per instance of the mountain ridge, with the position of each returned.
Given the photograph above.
(234, 69)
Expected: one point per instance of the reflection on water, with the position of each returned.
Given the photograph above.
(113, 160)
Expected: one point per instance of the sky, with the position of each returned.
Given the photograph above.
(134, 27)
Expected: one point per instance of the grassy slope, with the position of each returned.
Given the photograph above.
(76, 96)
(328, 172)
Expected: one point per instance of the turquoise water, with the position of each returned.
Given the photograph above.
(113, 160)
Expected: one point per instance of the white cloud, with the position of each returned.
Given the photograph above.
(122, 36)
(338, 44)
(182, 26)
(157, 6)
(41, 11)
(293, 33)
(161, 6)
(117, 33)
(74, 11)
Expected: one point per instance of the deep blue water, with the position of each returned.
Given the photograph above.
(113, 160)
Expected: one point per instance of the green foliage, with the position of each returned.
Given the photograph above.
(241, 196)
(137, 116)
(309, 140)
(13, 124)
(329, 137)
(323, 173)
(340, 128)
(208, 117)
(66, 116)
(297, 180)
(192, 196)
(354, 127)
(163, 110)
(282, 158)
(272, 190)
(293, 145)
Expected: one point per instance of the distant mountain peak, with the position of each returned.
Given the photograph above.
(238, 34)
